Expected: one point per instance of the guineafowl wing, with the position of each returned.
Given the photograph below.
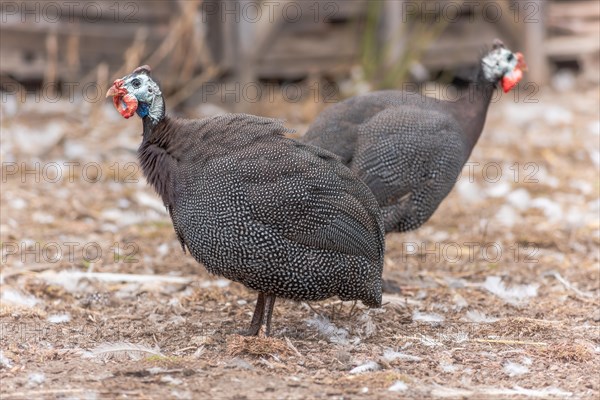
(244, 182)
(410, 158)
(307, 195)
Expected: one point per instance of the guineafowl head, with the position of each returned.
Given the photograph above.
(501, 65)
(138, 93)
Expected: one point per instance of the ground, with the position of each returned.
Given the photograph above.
(498, 292)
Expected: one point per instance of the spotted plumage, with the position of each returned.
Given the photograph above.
(283, 218)
(408, 148)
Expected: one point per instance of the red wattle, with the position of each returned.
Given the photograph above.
(126, 105)
(509, 81)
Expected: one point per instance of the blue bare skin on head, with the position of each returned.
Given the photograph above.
(143, 110)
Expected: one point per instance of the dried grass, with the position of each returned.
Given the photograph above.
(7, 310)
(517, 328)
(257, 346)
(565, 352)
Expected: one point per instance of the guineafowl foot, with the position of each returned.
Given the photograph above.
(389, 286)
(257, 317)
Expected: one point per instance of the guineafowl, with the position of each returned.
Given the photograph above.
(408, 148)
(283, 218)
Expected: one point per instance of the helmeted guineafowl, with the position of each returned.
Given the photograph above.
(408, 148)
(283, 218)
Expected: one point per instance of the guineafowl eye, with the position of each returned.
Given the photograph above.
(510, 57)
(136, 83)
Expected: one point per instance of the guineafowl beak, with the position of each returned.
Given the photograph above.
(511, 79)
(125, 103)
(112, 92)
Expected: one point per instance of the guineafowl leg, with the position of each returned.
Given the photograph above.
(257, 317)
(270, 303)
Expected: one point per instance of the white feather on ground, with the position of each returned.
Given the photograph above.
(516, 295)
(552, 210)
(398, 386)
(479, 317)
(199, 352)
(429, 341)
(514, 369)
(506, 216)
(368, 325)
(427, 317)
(448, 367)
(35, 379)
(327, 329)
(119, 350)
(59, 318)
(17, 298)
(369, 366)
(459, 302)
(390, 355)
(5, 362)
(519, 198)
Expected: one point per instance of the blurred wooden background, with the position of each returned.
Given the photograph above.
(194, 40)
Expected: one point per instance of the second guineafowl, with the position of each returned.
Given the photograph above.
(410, 149)
(283, 218)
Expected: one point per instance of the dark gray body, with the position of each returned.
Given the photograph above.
(409, 149)
(281, 217)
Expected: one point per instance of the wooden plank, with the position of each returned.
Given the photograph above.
(344, 9)
(577, 27)
(535, 54)
(341, 41)
(583, 9)
(566, 47)
(301, 68)
(102, 29)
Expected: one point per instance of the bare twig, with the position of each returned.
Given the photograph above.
(292, 347)
(51, 71)
(568, 284)
(508, 341)
(311, 307)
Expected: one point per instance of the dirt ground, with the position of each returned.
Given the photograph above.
(499, 290)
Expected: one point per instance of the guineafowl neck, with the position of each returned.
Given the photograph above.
(471, 110)
(159, 153)
(156, 113)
